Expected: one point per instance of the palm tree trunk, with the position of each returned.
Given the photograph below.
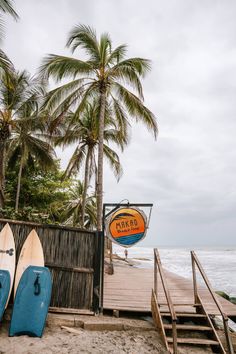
(18, 186)
(86, 182)
(100, 160)
(2, 173)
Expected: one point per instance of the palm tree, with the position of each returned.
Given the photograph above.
(19, 95)
(28, 144)
(84, 132)
(72, 210)
(106, 74)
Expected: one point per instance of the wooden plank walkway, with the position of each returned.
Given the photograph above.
(129, 289)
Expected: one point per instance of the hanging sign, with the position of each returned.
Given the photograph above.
(127, 226)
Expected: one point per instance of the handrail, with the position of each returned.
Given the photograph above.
(206, 280)
(157, 263)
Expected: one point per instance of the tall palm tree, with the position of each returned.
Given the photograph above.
(84, 132)
(28, 144)
(19, 94)
(106, 74)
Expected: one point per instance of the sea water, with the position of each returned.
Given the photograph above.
(219, 264)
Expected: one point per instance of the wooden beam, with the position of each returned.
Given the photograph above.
(69, 269)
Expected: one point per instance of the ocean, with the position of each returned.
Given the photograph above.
(219, 264)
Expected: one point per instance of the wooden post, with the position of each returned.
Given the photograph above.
(194, 280)
(174, 335)
(155, 274)
(228, 338)
(97, 274)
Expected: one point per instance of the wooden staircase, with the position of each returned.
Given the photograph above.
(191, 325)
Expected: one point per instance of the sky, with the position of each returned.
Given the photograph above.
(188, 173)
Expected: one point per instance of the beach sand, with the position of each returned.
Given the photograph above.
(56, 340)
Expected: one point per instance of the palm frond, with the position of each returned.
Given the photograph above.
(58, 95)
(6, 6)
(105, 47)
(136, 108)
(139, 65)
(84, 37)
(120, 116)
(117, 54)
(117, 137)
(60, 67)
(91, 92)
(75, 162)
(5, 62)
(113, 160)
(127, 75)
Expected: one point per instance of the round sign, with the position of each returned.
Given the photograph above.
(126, 226)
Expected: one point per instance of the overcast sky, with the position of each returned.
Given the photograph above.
(189, 172)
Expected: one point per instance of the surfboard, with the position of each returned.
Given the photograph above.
(31, 302)
(7, 266)
(31, 254)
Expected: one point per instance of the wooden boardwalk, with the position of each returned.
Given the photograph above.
(129, 289)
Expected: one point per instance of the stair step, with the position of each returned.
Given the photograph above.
(198, 341)
(185, 314)
(189, 327)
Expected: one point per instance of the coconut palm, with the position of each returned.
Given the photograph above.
(105, 73)
(19, 95)
(28, 144)
(72, 210)
(84, 132)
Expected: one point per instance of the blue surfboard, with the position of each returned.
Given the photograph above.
(31, 302)
(5, 283)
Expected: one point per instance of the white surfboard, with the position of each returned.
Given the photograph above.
(8, 253)
(31, 254)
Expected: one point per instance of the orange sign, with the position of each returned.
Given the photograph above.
(127, 226)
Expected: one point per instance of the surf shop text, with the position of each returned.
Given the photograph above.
(126, 226)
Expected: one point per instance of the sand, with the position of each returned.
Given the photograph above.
(57, 340)
(136, 336)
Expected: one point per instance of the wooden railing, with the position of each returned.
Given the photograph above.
(158, 268)
(195, 262)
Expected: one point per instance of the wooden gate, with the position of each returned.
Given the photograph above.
(73, 257)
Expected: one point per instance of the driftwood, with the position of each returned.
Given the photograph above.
(71, 330)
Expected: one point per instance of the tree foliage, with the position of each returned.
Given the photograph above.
(43, 192)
